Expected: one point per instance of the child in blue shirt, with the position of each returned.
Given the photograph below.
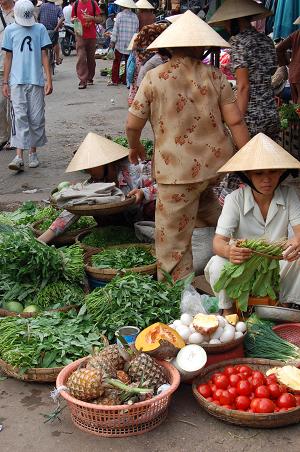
(25, 44)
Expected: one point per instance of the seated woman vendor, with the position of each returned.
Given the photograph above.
(106, 161)
(263, 208)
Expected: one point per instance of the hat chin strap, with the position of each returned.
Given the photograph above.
(245, 178)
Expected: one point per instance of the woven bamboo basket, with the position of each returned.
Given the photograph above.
(85, 247)
(241, 418)
(107, 274)
(27, 315)
(67, 238)
(38, 375)
(222, 348)
(101, 209)
(119, 420)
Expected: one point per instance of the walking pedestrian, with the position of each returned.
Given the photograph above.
(25, 43)
(67, 13)
(6, 18)
(126, 25)
(145, 13)
(187, 103)
(51, 16)
(88, 13)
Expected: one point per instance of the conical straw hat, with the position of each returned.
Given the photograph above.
(233, 9)
(260, 153)
(144, 4)
(96, 151)
(297, 21)
(125, 3)
(130, 45)
(188, 31)
(173, 18)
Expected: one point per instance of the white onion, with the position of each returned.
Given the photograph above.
(228, 335)
(238, 335)
(222, 321)
(217, 334)
(214, 341)
(184, 332)
(186, 319)
(176, 324)
(241, 327)
(192, 328)
(196, 338)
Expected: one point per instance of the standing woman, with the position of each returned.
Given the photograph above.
(253, 62)
(186, 103)
(145, 13)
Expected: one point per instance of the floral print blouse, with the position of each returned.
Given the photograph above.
(182, 99)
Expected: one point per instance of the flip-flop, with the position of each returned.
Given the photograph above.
(81, 86)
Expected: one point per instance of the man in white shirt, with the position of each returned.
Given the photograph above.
(6, 18)
(67, 11)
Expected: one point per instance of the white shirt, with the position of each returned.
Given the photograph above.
(67, 11)
(242, 218)
(9, 19)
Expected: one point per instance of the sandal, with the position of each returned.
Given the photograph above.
(112, 84)
(59, 61)
(82, 85)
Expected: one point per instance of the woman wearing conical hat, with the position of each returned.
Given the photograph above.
(263, 208)
(186, 103)
(253, 62)
(145, 13)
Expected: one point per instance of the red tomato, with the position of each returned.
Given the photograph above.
(262, 392)
(229, 370)
(217, 394)
(229, 407)
(234, 379)
(265, 406)
(204, 390)
(209, 399)
(254, 404)
(271, 379)
(286, 400)
(244, 387)
(222, 382)
(210, 382)
(245, 370)
(226, 398)
(274, 390)
(216, 402)
(257, 381)
(257, 374)
(283, 409)
(233, 392)
(213, 388)
(242, 403)
(216, 375)
(297, 397)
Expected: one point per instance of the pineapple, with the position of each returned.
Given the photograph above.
(109, 357)
(123, 377)
(110, 397)
(86, 384)
(143, 369)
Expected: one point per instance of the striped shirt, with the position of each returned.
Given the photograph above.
(126, 24)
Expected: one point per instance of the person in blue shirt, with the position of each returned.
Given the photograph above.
(25, 44)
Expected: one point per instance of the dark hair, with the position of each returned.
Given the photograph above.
(234, 27)
(164, 52)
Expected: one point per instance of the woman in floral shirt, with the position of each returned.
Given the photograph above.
(186, 103)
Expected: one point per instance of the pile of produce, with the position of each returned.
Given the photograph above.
(123, 258)
(136, 300)
(108, 380)
(27, 266)
(209, 329)
(82, 223)
(109, 236)
(51, 340)
(245, 389)
(259, 276)
(288, 114)
(148, 144)
(262, 342)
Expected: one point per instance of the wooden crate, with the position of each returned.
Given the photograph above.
(290, 139)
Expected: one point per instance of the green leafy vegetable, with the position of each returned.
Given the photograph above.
(121, 258)
(58, 294)
(109, 235)
(82, 223)
(288, 114)
(148, 144)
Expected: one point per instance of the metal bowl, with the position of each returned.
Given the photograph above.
(277, 314)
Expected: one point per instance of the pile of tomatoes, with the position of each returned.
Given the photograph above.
(245, 389)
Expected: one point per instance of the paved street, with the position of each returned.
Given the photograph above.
(70, 115)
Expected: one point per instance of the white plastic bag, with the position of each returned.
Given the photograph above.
(191, 302)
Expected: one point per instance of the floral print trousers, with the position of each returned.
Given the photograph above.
(178, 210)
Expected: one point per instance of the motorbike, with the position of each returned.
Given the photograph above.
(68, 43)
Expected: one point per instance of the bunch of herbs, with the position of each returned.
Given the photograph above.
(123, 258)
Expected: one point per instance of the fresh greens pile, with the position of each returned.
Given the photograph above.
(289, 113)
(81, 223)
(49, 341)
(148, 144)
(121, 258)
(58, 294)
(262, 342)
(109, 235)
(259, 276)
(29, 213)
(134, 299)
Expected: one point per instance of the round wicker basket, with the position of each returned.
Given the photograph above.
(119, 420)
(27, 315)
(242, 418)
(101, 209)
(67, 238)
(79, 242)
(107, 274)
(220, 348)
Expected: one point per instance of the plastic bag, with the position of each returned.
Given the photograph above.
(110, 54)
(78, 27)
(193, 303)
